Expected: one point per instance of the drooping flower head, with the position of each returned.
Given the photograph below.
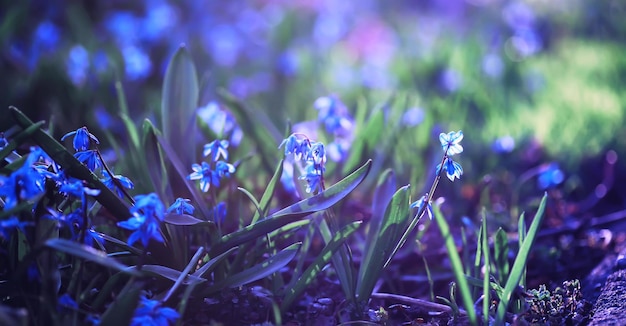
(82, 136)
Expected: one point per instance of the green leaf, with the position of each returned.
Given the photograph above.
(121, 311)
(179, 101)
(88, 253)
(212, 264)
(257, 272)
(457, 266)
(18, 139)
(154, 154)
(501, 255)
(294, 212)
(257, 128)
(264, 205)
(73, 167)
(519, 265)
(323, 258)
(184, 219)
(169, 273)
(380, 245)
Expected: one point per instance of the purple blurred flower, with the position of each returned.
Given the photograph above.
(136, 62)
(550, 176)
(450, 80)
(77, 64)
(504, 144)
(493, 65)
(224, 44)
(413, 117)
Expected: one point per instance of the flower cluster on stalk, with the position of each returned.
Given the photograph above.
(312, 154)
(451, 145)
(211, 173)
(91, 158)
(148, 213)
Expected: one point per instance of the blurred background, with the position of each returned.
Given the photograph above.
(533, 84)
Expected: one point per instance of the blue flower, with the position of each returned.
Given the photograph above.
(206, 176)
(77, 189)
(317, 153)
(420, 205)
(24, 183)
(89, 158)
(3, 141)
(181, 206)
(450, 142)
(8, 225)
(550, 176)
(81, 138)
(66, 301)
(150, 205)
(150, 312)
(111, 184)
(290, 143)
(224, 169)
(217, 148)
(313, 178)
(334, 114)
(137, 63)
(147, 214)
(453, 169)
(221, 122)
(219, 212)
(77, 64)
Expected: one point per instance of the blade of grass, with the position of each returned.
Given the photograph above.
(322, 260)
(457, 266)
(519, 264)
(257, 272)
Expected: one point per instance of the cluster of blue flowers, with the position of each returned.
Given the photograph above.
(91, 158)
(313, 154)
(451, 145)
(210, 174)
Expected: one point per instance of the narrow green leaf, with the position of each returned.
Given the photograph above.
(19, 138)
(87, 253)
(121, 311)
(179, 101)
(169, 274)
(73, 167)
(521, 236)
(484, 245)
(341, 260)
(257, 206)
(264, 204)
(259, 271)
(184, 275)
(294, 212)
(457, 266)
(519, 265)
(323, 258)
(184, 219)
(154, 154)
(380, 247)
(501, 255)
(213, 263)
